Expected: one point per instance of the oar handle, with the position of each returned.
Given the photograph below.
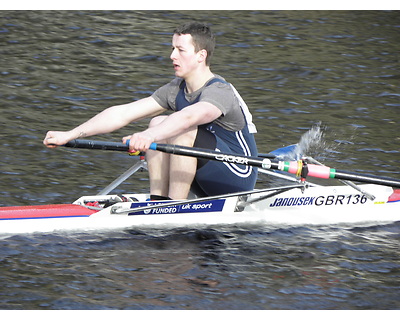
(99, 145)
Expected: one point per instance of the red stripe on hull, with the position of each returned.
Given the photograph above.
(395, 196)
(45, 211)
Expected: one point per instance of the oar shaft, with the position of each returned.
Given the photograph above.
(324, 172)
(345, 175)
(209, 154)
(294, 167)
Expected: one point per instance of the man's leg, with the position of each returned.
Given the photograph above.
(158, 166)
(182, 169)
(171, 175)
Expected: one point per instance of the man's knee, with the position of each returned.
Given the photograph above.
(156, 121)
(185, 139)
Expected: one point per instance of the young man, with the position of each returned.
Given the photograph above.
(209, 113)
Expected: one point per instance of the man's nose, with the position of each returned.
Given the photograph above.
(173, 53)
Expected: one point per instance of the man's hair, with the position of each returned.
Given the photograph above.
(202, 36)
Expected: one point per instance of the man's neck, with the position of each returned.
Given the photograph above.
(198, 80)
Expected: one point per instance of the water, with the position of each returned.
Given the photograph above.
(295, 69)
(226, 268)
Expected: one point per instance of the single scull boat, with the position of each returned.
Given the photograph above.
(300, 202)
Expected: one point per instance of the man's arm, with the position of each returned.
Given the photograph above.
(175, 124)
(109, 120)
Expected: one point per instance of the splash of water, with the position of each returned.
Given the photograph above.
(310, 143)
(314, 144)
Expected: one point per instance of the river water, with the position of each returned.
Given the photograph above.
(295, 69)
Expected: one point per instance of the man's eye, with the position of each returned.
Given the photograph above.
(179, 49)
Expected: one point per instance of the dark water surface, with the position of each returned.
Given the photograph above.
(293, 68)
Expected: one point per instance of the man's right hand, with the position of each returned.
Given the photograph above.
(57, 138)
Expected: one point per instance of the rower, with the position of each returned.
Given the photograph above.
(208, 112)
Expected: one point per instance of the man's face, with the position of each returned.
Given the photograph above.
(184, 58)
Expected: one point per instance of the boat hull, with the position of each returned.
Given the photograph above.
(332, 205)
(314, 205)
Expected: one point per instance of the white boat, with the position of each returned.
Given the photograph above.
(296, 203)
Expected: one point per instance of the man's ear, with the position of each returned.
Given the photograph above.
(202, 55)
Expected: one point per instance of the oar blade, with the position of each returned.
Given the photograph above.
(290, 152)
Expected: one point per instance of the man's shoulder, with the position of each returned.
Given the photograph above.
(218, 78)
(217, 83)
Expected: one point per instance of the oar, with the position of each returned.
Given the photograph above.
(294, 167)
(115, 146)
(285, 153)
(119, 146)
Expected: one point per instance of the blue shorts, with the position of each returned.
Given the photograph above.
(215, 177)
